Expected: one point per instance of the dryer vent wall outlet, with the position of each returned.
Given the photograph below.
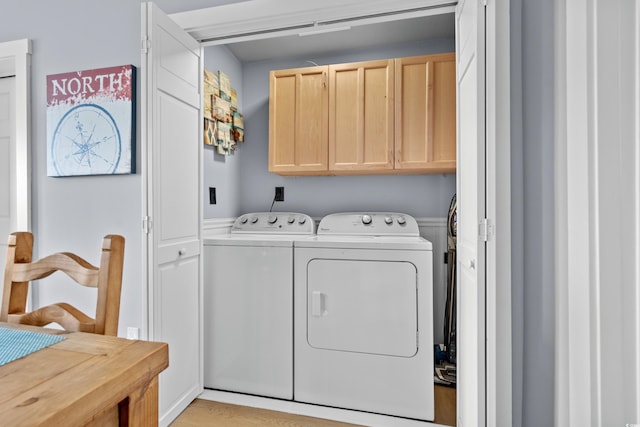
(279, 194)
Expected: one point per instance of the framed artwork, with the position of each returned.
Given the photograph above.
(91, 122)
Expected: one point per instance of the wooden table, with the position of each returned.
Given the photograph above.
(86, 379)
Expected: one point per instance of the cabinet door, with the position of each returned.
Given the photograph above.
(426, 114)
(298, 121)
(361, 116)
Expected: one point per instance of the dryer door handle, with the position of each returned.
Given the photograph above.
(318, 301)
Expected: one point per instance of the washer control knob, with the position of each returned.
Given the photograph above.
(388, 220)
(244, 220)
(254, 219)
(402, 220)
(272, 219)
(291, 219)
(302, 220)
(366, 219)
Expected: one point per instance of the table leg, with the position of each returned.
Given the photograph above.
(140, 409)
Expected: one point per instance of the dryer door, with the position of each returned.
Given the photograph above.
(362, 306)
(363, 329)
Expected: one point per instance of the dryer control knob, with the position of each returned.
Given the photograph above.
(388, 220)
(291, 219)
(254, 220)
(244, 220)
(402, 220)
(302, 220)
(366, 219)
(272, 219)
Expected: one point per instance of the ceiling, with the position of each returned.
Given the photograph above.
(357, 37)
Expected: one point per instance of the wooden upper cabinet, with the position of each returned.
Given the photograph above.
(425, 114)
(361, 116)
(374, 117)
(298, 121)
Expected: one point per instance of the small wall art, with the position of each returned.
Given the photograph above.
(91, 122)
(223, 124)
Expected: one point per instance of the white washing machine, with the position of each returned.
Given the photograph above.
(363, 316)
(248, 304)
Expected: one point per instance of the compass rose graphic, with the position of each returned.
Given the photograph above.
(86, 141)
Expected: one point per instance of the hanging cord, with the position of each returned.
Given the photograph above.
(272, 203)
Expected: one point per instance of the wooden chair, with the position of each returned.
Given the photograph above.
(20, 270)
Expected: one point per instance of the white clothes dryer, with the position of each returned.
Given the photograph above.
(363, 316)
(248, 304)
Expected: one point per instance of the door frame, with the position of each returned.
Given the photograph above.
(256, 20)
(498, 358)
(597, 213)
(15, 59)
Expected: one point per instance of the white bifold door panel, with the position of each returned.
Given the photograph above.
(172, 169)
(471, 259)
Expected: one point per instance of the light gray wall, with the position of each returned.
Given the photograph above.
(532, 126)
(517, 215)
(219, 171)
(417, 195)
(74, 214)
(538, 206)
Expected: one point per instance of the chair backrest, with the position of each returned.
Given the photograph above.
(20, 270)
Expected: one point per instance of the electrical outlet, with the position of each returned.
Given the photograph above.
(132, 333)
(212, 195)
(279, 194)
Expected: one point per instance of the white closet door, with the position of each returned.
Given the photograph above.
(7, 162)
(171, 169)
(470, 69)
(15, 163)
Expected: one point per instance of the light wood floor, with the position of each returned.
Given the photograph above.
(208, 413)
